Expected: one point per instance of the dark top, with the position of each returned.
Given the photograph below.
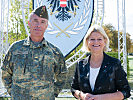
(111, 77)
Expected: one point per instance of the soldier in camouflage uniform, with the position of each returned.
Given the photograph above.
(33, 68)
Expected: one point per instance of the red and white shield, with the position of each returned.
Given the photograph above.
(63, 3)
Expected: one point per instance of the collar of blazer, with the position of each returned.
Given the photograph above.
(105, 63)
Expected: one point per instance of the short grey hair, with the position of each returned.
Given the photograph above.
(30, 16)
(95, 28)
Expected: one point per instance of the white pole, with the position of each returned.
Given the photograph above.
(124, 37)
(118, 29)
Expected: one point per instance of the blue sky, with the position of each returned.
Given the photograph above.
(111, 14)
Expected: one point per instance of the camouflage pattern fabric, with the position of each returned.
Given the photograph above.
(33, 72)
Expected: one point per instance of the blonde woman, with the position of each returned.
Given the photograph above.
(99, 76)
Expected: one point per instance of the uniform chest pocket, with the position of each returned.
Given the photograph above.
(19, 58)
(19, 61)
(48, 67)
(48, 61)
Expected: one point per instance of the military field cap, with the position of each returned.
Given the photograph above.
(41, 12)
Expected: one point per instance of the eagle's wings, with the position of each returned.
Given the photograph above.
(71, 6)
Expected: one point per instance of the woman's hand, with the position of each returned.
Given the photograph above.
(82, 96)
(86, 96)
(107, 96)
(89, 96)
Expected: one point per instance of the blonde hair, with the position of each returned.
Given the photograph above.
(95, 28)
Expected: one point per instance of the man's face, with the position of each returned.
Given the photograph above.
(37, 26)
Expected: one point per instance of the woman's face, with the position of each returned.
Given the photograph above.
(96, 42)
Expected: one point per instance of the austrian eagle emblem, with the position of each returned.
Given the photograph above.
(63, 9)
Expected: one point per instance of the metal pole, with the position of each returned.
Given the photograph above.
(7, 26)
(103, 14)
(122, 53)
(1, 35)
(118, 29)
(124, 37)
(2, 22)
(97, 12)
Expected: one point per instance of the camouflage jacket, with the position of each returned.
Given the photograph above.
(33, 72)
